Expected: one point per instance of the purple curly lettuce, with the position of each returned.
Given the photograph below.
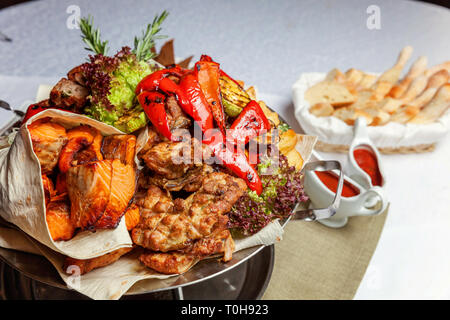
(98, 75)
(282, 190)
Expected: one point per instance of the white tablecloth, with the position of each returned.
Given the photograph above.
(269, 43)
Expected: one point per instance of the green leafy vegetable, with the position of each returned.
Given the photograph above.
(144, 44)
(91, 36)
(112, 82)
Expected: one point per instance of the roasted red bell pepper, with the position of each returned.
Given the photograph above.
(191, 99)
(151, 82)
(208, 74)
(36, 108)
(250, 123)
(222, 73)
(153, 105)
(234, 159)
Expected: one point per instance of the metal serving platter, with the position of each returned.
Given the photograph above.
(246, 281)
(38, 268)
(35, 268)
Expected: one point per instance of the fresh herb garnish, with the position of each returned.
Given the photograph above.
(91, 36)
(283, 127)
(144, 44)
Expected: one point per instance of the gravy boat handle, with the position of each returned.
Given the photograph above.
(300, 213)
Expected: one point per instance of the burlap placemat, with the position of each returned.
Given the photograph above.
(316, 262)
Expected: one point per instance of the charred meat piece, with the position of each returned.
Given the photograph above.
(153, 138)
(48, 139)
(58, 221)
(176, 117)
(189, 182)
(172, 160)
(162, 226)
(94, 263)
(179, 262)
(218, 242)
(122, 147)
(218, 194)
(174, 225)
(76, 75)
(69, 94)
(168, 263)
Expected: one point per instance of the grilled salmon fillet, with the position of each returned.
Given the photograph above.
(100, 193)
(83, 146)
(132, 216)
(89, 189)
(48, 139)
(122, 147)
(97, 262)
(49, 189)
(123, 183)
(58, 221)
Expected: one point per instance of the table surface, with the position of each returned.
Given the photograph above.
(269, 44)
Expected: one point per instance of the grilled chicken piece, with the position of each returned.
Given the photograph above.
(162, 226)
(176, 117)
(68, 93)
(48, 139)
(167, 225)
(190, 182)
(172, 160)
(218, 242)
(153, 138)
(100, 193)
(83, 146)
(94, 263)
(122, 147)
(123, 184)
(218, 194)
(168, 263)
(58, 221)
(180, 262)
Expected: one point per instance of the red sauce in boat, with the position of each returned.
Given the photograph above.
(367, 161)
(331, 181)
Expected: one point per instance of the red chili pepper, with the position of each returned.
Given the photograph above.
(250, 123)
(36, 108)
(208, 73)
(153, 105)
(234, 159)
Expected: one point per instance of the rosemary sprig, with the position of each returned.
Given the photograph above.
(91, 36)
(144, 44)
